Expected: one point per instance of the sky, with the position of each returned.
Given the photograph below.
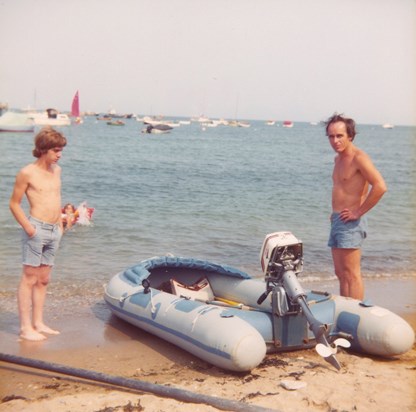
(299, 60)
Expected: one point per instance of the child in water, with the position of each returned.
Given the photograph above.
(69, 216)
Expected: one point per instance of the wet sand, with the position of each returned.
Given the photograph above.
(92, 339)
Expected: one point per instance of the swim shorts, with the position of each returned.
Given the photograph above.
(40, 249)
(347, 235)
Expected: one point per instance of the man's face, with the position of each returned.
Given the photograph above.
(338, 137)
(53, 155)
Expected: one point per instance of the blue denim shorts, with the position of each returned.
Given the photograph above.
(40, 249)
(347, 235)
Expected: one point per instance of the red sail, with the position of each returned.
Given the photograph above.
(75, 105)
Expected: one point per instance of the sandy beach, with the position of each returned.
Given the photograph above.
(94, 340)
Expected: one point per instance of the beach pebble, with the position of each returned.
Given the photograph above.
(292, 385)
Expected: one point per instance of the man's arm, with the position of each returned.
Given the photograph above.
(377, 184)
(20, 187)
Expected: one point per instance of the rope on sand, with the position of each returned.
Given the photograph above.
(160, 390)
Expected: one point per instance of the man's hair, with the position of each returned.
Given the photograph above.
(349, 124)
(47, 139)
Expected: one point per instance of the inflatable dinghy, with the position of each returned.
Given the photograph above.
(231, 320)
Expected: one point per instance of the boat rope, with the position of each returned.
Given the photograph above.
(174, 302)
(121, 299)
(153, 309)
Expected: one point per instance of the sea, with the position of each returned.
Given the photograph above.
(210, 193)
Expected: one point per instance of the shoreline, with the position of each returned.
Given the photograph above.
(91, 338)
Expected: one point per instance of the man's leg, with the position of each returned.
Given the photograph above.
(39, 296)
(347, 264)
(25, 300)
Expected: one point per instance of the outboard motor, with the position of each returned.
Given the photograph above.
(282, 252)
(281, 259)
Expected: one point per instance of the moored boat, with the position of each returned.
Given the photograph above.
(155, 122)
(51, 117)
(230, 319)
(116, 123)
(157, 129)
(16, 123)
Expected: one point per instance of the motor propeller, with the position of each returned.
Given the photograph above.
(326, 351)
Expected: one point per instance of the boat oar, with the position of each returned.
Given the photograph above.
(160, 390)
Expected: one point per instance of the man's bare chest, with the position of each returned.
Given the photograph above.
(45, 183)
(345, 171)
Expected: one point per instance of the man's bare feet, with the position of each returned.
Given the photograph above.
(32, 335)
(46, 329)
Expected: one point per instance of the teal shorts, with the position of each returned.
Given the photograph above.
(40, 249)
(347, 235)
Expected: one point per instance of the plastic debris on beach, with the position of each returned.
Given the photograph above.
(292, 385)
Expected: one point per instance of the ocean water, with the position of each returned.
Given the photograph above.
(210, 194)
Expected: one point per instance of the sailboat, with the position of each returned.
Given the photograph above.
(75, 109)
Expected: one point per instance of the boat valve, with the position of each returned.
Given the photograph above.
(146, 285)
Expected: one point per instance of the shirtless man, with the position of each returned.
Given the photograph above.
(42, 229)
(357, 187)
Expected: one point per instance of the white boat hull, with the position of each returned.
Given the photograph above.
(42, 119)
(16, 123)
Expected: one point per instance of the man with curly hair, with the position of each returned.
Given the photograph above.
(40, 182)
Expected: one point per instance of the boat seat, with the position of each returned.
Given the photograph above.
(200, 290)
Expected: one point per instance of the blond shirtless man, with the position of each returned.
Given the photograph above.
(357, 187)
(40, 182)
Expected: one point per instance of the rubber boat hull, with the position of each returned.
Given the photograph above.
(231, 330)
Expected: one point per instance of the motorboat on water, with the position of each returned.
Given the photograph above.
(287, 124)
(16, 123)
(232, 320)
(157, 128)
(155, 122)
(115, 123)
(50, 117)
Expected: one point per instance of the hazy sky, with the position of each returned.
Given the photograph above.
(254, 59)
